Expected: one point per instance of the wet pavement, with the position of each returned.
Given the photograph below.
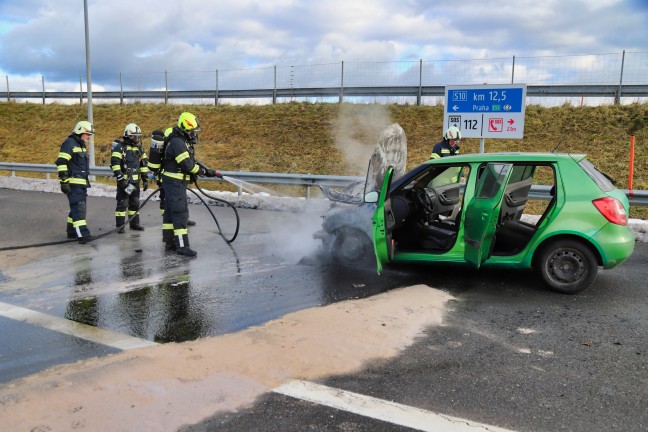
(509, 353)
(128, 284)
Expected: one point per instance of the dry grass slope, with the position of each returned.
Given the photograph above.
(326, 138)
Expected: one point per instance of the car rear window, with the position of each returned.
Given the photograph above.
(599, 178)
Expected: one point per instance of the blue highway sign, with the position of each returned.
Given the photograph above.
(487, 111)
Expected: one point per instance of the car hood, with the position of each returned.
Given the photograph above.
(391, 150)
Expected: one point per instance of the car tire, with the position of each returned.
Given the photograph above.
(567, 266)
(352, 248)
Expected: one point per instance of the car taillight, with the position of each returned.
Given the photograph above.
(612, 209)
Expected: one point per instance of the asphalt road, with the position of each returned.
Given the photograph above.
(509, 353)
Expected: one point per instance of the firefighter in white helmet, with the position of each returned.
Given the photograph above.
(73, 166)
(130, 166)
(449, 146)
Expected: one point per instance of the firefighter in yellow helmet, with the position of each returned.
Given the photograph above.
(449, 146)
(73, 166)
(180, 169)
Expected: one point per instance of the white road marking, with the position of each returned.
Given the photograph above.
(379, 409)
(83, 331)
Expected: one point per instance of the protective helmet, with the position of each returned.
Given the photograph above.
(452, 134)
(83, 127)
(133, 132)
(188, 122)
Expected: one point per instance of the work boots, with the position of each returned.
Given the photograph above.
(86, 239)
(186, 251)
(136, 227)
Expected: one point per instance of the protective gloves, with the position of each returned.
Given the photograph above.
(121, 182)
(213, 173)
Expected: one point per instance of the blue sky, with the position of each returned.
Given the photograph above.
(46, 37)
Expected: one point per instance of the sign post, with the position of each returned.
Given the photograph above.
(486, 111)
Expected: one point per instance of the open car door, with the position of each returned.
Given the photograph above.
(482, 212)
(383, 224)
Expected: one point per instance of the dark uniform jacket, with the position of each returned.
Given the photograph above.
(179, 163)
(443, 149)
(128, 161)
(73, 164)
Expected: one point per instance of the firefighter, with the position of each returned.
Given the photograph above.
(156, 160)
(73, 166)
(179, 169)
(129, 164)
(449, 146)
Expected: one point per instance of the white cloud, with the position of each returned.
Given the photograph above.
(47, 37)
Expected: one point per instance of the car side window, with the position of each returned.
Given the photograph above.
(491, 179)
(450, 175)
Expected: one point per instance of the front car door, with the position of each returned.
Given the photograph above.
(482, 212)
(383, 223)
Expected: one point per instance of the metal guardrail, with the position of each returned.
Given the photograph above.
(636, 197)
(306, 180)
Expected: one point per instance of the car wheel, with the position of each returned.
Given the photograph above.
(567, 266)
(352, 248)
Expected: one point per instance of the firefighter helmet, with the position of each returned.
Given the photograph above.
(452, 134)
(83, 127)
(188, 122)
(133, 132)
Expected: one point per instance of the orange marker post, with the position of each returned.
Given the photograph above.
(631, 170)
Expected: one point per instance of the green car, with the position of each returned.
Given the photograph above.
(481, 210)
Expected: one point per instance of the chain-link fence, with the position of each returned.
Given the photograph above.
(396, 81)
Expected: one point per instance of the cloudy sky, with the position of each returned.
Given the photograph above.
(46, 37)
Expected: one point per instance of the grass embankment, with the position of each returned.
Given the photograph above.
(327, 138)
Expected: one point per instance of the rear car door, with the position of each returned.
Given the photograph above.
(482, 212)
(383, 224)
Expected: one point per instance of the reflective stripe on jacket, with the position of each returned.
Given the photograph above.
(443, 149)
(128, 160)
(73, 164)
(179, 160)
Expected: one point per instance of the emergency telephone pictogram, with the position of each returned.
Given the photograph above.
(495, 125)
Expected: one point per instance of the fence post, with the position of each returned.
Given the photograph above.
(216, 95)
(166, 88)
(274, 91)
(121, 90)
(81, 93)
(342, 84)
(617, 97)
(8, 96)
(513, 71)
(420, 91)
(43, 83)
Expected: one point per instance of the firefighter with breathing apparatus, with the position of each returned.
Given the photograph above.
(130, 165)
(179, 168)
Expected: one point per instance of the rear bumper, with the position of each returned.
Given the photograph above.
(618, 241)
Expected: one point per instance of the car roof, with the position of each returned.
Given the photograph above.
(509, 157)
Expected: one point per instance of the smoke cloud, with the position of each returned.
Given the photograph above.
(356, 133)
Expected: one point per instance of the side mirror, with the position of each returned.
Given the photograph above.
(371, 197)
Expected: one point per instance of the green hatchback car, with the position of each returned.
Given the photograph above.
(553, 213)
